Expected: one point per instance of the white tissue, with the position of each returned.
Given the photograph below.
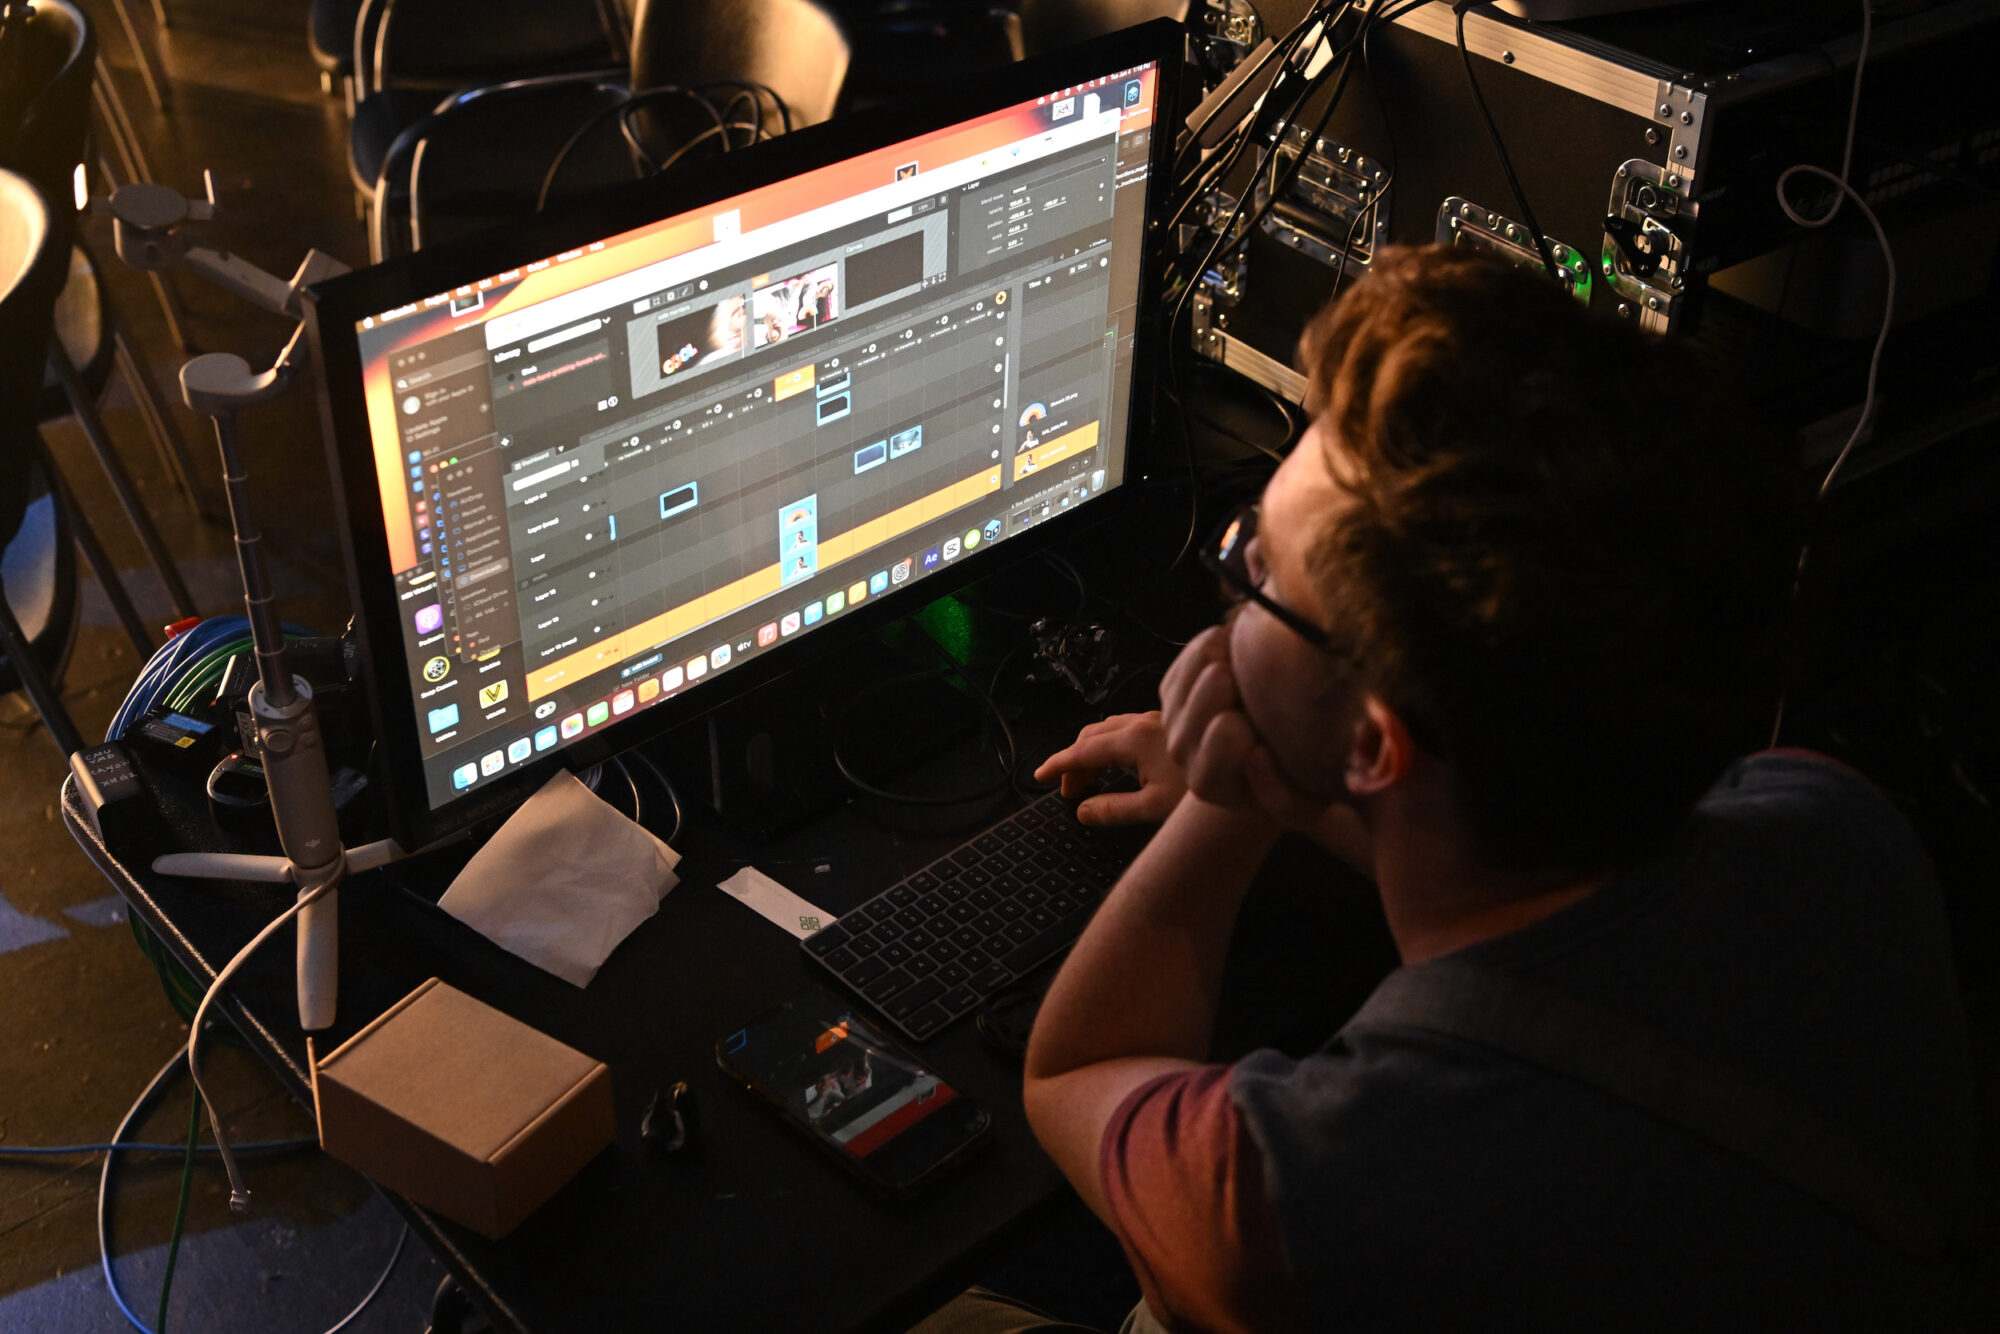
(563, 881)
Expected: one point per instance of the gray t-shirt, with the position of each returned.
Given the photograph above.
(1790, 931)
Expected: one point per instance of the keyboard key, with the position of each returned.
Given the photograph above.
(1070, 846)
(1031, 819)
(951, 891)
(949, 865)
(875, 910)
(1008, 830)
(902, 896)
(985, 898)
(976, 877)
(975, 960)
(924, 882)
(825, 940)
(987, 844)
(894, 953)
(945, 951)
(910, 918)
(921, 965)
(961, 912)
(926, 1021)
(1018, 932)
(987, 924)
(865, 972)
(1048, 859)
(1008, 910)
(1038, 839)
(966, 938)
(920, 939)
(952, 975)
(959, 999)
(864, 945)
(1031, 896)
(931, 905)
(1040, 918)
(888, 931)
(989, 981)
(841, 959)
(891, 983)
(1009, 885)
(1062, 905)
(968, 857)
(913, 998)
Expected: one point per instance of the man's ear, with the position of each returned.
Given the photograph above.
(1379, 749)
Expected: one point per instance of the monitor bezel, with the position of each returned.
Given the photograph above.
(335, 306)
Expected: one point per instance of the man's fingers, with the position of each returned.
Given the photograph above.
(1105, 750)
(1207, 647)
(1213, 692)
(1214, 771)
(1149, 805)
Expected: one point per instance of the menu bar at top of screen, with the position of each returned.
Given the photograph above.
(730, 249)
(1120, 99)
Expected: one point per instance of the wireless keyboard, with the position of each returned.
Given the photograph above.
(933, 947)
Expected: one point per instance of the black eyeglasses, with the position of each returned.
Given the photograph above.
(1228, 557)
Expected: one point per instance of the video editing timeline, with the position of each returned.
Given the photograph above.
(616, 492)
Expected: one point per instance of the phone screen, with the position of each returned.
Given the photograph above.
(854, 1091)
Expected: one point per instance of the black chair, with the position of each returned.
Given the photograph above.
(330, 37)
(409, 54)
(37, 578)
(796, 48)
(44, 126)
(486, 155)
(1051, 25)
(905, 49)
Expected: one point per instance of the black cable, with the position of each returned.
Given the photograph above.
(1555, 274)
(1227, 234)
(1008, 755)
(622, 110)
(673, 794)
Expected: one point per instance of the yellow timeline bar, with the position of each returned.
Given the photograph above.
(1080, 441)
(734, 596)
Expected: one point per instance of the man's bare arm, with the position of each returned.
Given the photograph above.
(1137, 996)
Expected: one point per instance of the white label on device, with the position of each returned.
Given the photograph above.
(774, 902)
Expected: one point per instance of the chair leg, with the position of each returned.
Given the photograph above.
(155, 79)
(116, 127)
(121, 483)
(159, 419)
(160, 15)
(41, 693)
(94, 555)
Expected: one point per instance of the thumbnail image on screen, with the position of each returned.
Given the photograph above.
(632, 466)
(701, 338)
(796, 305)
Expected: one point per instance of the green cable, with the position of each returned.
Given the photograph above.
(180, 1210)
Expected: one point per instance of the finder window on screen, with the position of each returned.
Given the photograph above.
(618, 471)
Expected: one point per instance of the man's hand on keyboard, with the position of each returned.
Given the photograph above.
(1134, 741)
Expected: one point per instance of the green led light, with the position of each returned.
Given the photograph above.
(949, 622)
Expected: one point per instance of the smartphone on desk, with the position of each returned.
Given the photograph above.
(875, 1107)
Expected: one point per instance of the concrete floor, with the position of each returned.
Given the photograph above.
(1908, 699)
(88, 1023)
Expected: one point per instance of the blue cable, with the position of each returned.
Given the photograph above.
(164, 669)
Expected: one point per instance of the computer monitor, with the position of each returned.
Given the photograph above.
(601, 470)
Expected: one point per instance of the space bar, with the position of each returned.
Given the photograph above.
(1030, 954)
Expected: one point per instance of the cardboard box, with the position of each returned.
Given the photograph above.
(462, 1109)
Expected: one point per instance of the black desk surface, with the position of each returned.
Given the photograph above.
(759, 1231)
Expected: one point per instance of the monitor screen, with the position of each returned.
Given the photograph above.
(611, 476)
